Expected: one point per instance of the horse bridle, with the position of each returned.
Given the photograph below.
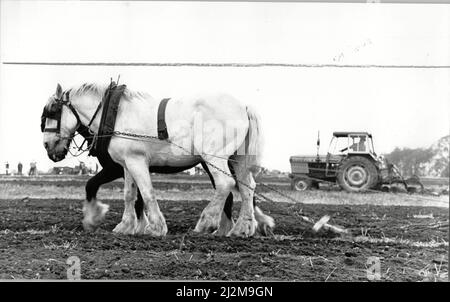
(55, 112)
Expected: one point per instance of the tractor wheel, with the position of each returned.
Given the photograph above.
(301, 184)
(357, 174)
(384, 189)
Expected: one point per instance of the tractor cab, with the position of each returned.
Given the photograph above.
(347, 145)
(352, 143)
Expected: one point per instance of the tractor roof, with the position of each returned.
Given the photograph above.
(353, 133)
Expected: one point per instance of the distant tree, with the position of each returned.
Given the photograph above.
(410, 161)
(420, 157)
(396, 157)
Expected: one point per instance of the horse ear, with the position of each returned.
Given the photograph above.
(59, 91)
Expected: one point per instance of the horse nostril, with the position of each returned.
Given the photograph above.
(46, 146)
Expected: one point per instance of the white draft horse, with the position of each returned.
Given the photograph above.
(214, 129)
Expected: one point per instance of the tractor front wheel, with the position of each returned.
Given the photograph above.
(301, 184)
(357, 174)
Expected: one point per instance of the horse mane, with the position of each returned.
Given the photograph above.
(88, 88)
(99, 91)
(130, 94)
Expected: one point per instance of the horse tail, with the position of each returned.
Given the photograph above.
(254, 142)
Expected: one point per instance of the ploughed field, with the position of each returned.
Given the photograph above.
(392, 237)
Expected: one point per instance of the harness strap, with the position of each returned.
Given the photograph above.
(88, 128)
(95, 114)
(68, 104)
(162, 127)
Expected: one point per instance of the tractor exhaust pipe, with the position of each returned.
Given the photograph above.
(318, 145)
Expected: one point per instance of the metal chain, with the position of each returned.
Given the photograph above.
(119, 133)
(258, 195)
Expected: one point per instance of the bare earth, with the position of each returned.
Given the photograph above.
(40, 228)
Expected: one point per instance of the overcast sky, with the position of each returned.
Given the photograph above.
(406, 107)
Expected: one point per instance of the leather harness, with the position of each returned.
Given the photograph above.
(162, 127)
(110, 104)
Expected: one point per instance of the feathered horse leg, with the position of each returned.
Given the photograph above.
(152, 221)
(94, 211)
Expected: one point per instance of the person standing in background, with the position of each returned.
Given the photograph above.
(32, 168)
(19, 168)
(7, 168)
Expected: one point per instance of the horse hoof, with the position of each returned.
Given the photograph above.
(206, 229)
(94, 213)
(88, 226)
(124, 227)
(208, 223)
(221, 232)
(266, 224)
(140, 229)
(224, 228)
(264, 231)
(156, 231)
(244, 228)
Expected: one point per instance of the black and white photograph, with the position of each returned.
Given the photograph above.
(237, 142)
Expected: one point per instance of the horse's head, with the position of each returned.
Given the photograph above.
(59, 121)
